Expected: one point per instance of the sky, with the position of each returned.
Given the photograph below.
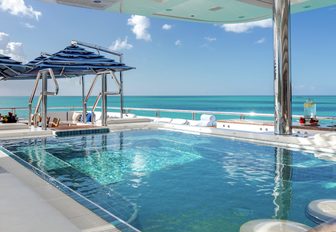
(173, 57)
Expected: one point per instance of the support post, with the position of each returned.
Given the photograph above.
(83, 101)
(282, 183)
(282, 71)
(121, 90)
(104, 99)
(44, 99)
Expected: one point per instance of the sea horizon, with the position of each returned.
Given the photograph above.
(326, 104)
(201, 95)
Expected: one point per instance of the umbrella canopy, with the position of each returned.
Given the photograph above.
(10, 68)
(71, 62)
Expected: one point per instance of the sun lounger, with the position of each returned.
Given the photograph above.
(178, 121)
(13, 126)
(207, 120)
(55, 122)
(163, 120)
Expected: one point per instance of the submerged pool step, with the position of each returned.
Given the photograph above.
(76, 132)
(273, 225)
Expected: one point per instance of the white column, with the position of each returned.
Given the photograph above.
(282, 70)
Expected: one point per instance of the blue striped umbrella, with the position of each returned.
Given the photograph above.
(71, 62)
(10, 68)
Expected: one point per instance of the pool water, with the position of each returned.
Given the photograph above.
(164, 181)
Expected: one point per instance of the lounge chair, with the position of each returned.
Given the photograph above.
(55, 122)
(207, 120)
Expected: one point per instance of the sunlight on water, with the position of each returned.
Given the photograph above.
(169, 181)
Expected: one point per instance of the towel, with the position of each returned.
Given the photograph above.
(206, 123)
(88, 117)
(178, 121)
(208, 117)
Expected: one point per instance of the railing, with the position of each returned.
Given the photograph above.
(193, 113)
(13, 109)
(157, 112)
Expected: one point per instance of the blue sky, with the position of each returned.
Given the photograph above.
(180, 58)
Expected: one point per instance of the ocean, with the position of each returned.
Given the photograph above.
(326, 105)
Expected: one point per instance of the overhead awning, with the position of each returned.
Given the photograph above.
(71, 62)
(10, 68)
(211, 11)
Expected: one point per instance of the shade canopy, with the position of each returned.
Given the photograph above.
(72, 61)
(10, 68)
(212, 11)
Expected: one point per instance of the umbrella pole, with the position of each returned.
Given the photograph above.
(44, 99)
(104, 100)
(121, 90)
(121, 96)
(83, 100)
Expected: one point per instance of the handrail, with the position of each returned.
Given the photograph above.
(93, 46)
(30, 101)
(246, 114)
(96, 102)
(102, 94)
(93, 118)
(115, 79)
(41, 74)
(15, 108)
(38, 105)
(88, 96)
(214, 112)
(52, 75)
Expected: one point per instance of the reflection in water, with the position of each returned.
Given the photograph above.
(121, 141)
(104, 143)
(283, 188)
(85, 145)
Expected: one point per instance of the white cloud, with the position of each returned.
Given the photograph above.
(166, 27)
(4, 39)
(140, 27)
(18, 7)
(29, 26)
(260, 41)
(210, 39)
(178, 42)
(120, 44)
(11, 49)
(246, 27)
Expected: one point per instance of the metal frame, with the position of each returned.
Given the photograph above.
(282, 191)
(42, 74)
(282, 69)
(121, 57)
(102, 95)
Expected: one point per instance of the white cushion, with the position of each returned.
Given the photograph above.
(163, 120)
(201, 123)
(208, 117)
(113, 115)
(178, 121)
(76, 116)
(129, 115)
(193, 122)
(98, 116)
(206, 123)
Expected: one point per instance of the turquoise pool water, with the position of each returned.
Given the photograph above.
(169, 181)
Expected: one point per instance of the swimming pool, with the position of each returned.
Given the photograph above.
(162, 180)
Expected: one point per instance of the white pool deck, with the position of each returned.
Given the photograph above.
(28, 203)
